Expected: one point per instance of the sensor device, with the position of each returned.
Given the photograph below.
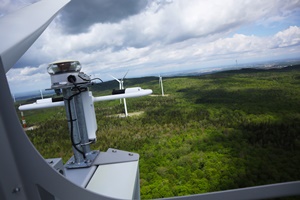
(66, 73)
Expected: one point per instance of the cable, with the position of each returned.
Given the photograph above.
(97, 79)
(72, 120)
(88, 80)
(72, 79)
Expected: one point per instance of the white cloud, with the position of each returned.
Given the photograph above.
(242, 45)
(174, 22)
(28, 78)
(175, 56)
(288, 37)
(167, 35)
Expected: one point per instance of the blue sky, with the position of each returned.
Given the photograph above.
(158, 36)
(264, 29)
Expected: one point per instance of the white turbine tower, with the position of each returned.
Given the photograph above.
(41, 94)
(121, 87)
(160, 82)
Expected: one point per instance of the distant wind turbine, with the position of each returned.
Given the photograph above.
(160, 82)
(41, 94)
(121, 87)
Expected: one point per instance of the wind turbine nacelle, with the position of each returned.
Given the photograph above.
(131, 90)
(66, 73)
(127, 90)
(47, 100)
(121, 91)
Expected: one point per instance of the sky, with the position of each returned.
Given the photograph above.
(152, 37)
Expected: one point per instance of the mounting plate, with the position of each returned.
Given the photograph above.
(90, 157)
(112, 156)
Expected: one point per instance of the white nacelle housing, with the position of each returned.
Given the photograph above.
(131, 90)
(47, 100)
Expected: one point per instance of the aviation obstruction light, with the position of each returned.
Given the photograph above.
(66, 73)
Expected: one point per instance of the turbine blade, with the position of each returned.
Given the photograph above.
(20, 29)
(125, 74)
(115, 78)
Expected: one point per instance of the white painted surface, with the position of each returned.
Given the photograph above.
(80, 176)
(47, 100)
(89, 114)
(115, 180)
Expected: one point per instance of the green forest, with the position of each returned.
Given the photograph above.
(212, 132)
